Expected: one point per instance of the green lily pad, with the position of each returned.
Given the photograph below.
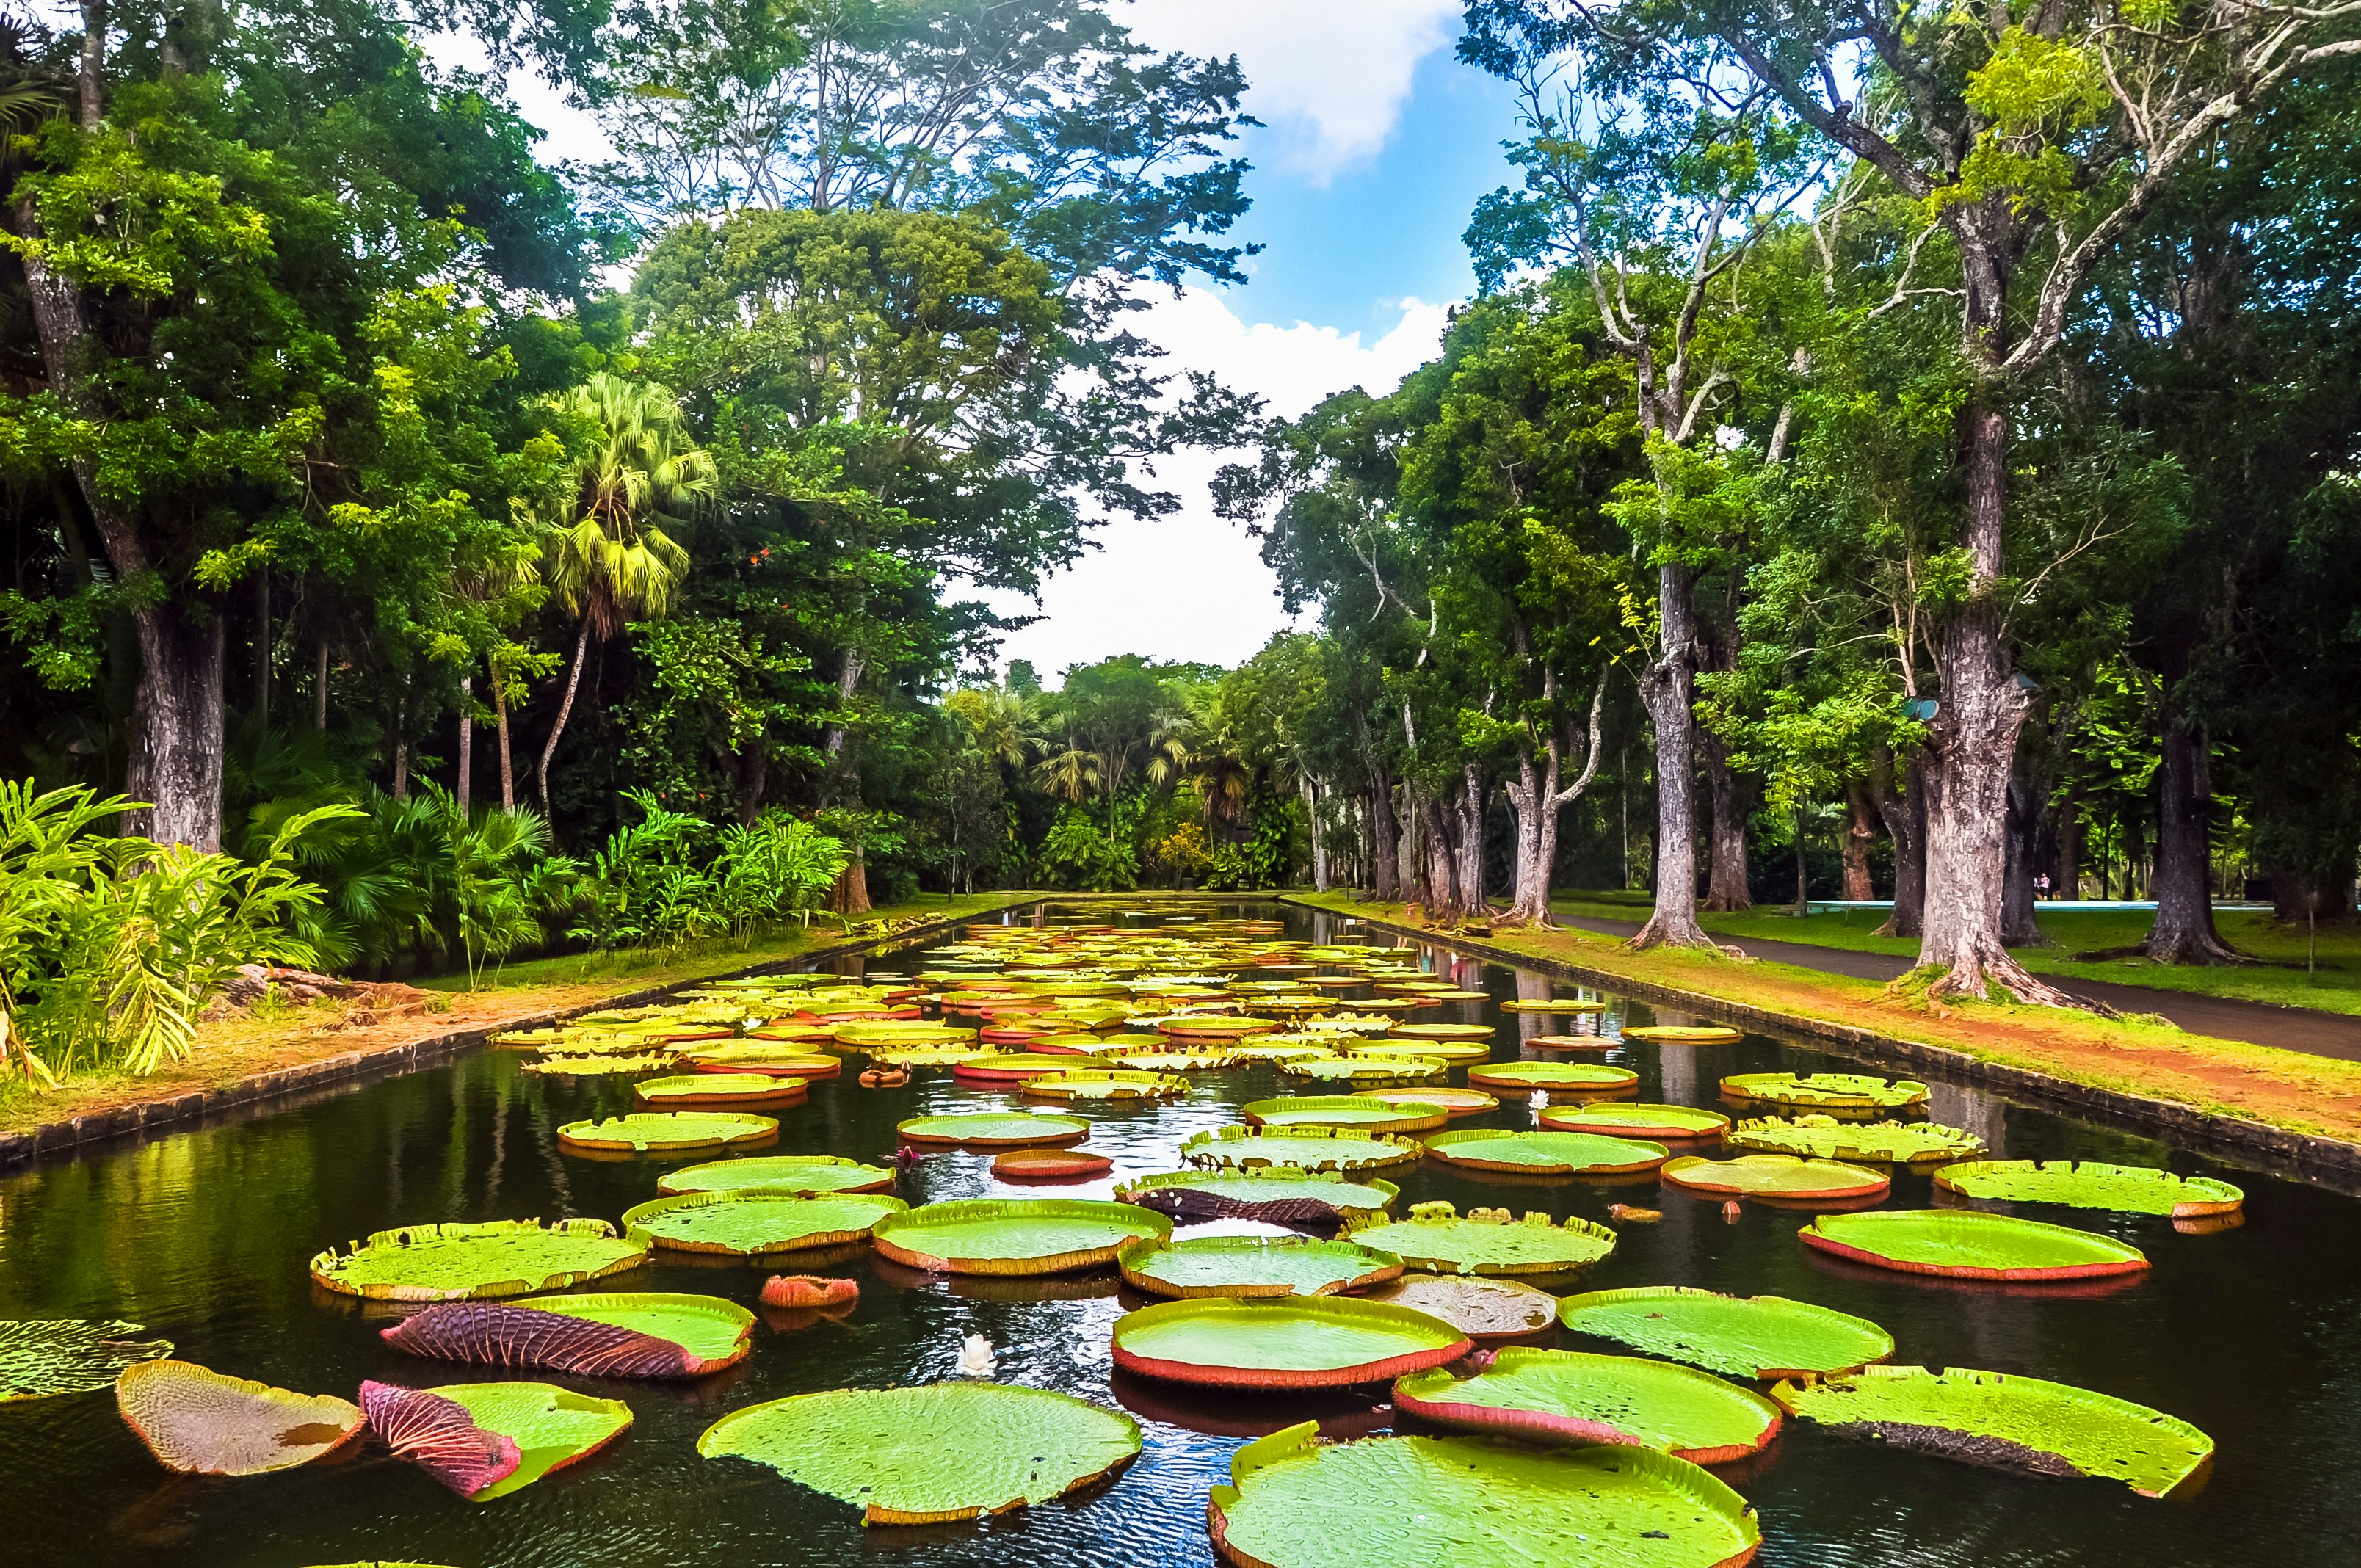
(1295, 1502)
(1253, 1266)
(1016, 1067)
(1879, 1142)
(42, 1356)
(749, 1225)
(1357, 1067)
(598, 1066)
(1419, 1041)
(779, 1173)
(2125, 1189)
(1276, 1194)
(1487, 1241)
(458, 1262)
(1553, 1077)
(1565, 1396)
(1450, 1102)
(669, 1131)
(934, 1453)
(552, 1427)
(1776, 1179)
(995, 1130)
(1742, 1336)
(1632, 1119)
(1175, 1060)
(1371, 1115)
(1964, 1245)
(1825, 1091)
(1016, 1236)
(1545, 1153)
(1304, 1342)
(1108, 1085)
(2017, 1423)
(1305, 1148)
(628, 1334)
(720, 1090)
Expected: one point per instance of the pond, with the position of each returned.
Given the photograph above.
(2253, 1334)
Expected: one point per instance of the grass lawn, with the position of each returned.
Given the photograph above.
(2279, 977)
(274, 1037)
(2316, 1095)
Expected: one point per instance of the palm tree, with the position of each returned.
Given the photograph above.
(1072, 775)
(605, 549)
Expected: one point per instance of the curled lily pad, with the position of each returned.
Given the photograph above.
(2126, 1189)
(546, 1427)
(1306, 1148)
(779, 1173)
(1882, 1143)
(459, 1262)
(2007, 1422)
(1483, 1310)
(1964, 1245)
(1851, 1092)
(439, 1435)
(1684, 1034)
(752, 1225)
(995, 1130)
(668, 1132)
(1296, 1502)
(193, 1418)
(1107, 1085)
(1016, 1236)
(1253, 1266)
(1776, 1179)
(933, 1453)
(1488, 1241)
(1274, 1194)
(1544, 1153)
(1742, 1336)
(1305, 1342)
(41, 1357)
(1369, 1114)
(635, 1333)
(1554, 1077)
(1564, 1396)
(1632, 1119)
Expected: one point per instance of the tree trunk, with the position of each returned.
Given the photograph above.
(1310, 789)
(1860, 834)
(1725, 878)
(1439, 892)
(402, 769)
(508, 766)
(2066, 876)
(465, 795)
(1904, 811)
(1472, 895)
(320, 689)
(564, 709)
(1664, 689)
(2018, 927)
(2183, 930)
(262, 647)
(177, 719)
(850, 897)
(2302, 894)
(753, 779)
(1537, 799)
(1385, 860)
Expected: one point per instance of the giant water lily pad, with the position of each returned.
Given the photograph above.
(1488, 1241)
(488, 1440)
(1361, 1067)
(2010, 1422)
(195, 1420)
(901, 1035)
(995, 1130)
(1684, 1034)
(1016, 1236)
(1463, 1502)
(933, 1453)
(1964, 1245)
(1484, 1309)
(459, 1262)
(1173, 1060)
(2126, 1189)
(1880, 1142)
(1553, 1077)
(1852, 1092)
(1632, 1119)
(1108, 1085)
(41, 1357)
(1305, 1148)
(1742, 1336)
(1253, 1266)
(631, 1333)
(598, 1066)
(779, 1173)
(669, 1131)
(1416, 1040)
(767, 1058)
(750, 1224)
(1564, 1396)
(1776, 1179)
(721, 1091)
(1442, 1097)
(1544, 1153)
(1311, 1342)
(1016, 1067)
(1275, 1194)
(1551, 1004)
(1369, 1114)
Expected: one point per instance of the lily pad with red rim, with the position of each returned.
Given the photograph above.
(1049, 1164)
(994, 1129)
(767, 1060)
(1740, 1336)
(1253, 1267)
(201, 1422)
(1016, 1236)
(1554, 1077)
(545, 1427)
(1316, 1342)
(2125, 1188)
(631, 1333)
(1569, 1043)
(1634, 1119)
(1776, 1179)
(1965, 1244)
(1442, 1097)
(1544, 1153)
(1565, 1396)
(740, 1223)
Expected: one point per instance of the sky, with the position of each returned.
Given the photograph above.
(1375, 147)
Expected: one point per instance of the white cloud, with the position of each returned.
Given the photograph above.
(1193, 587)
(1330, 78)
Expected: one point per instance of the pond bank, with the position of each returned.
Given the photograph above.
(2301, 1111)
(252, 1063)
